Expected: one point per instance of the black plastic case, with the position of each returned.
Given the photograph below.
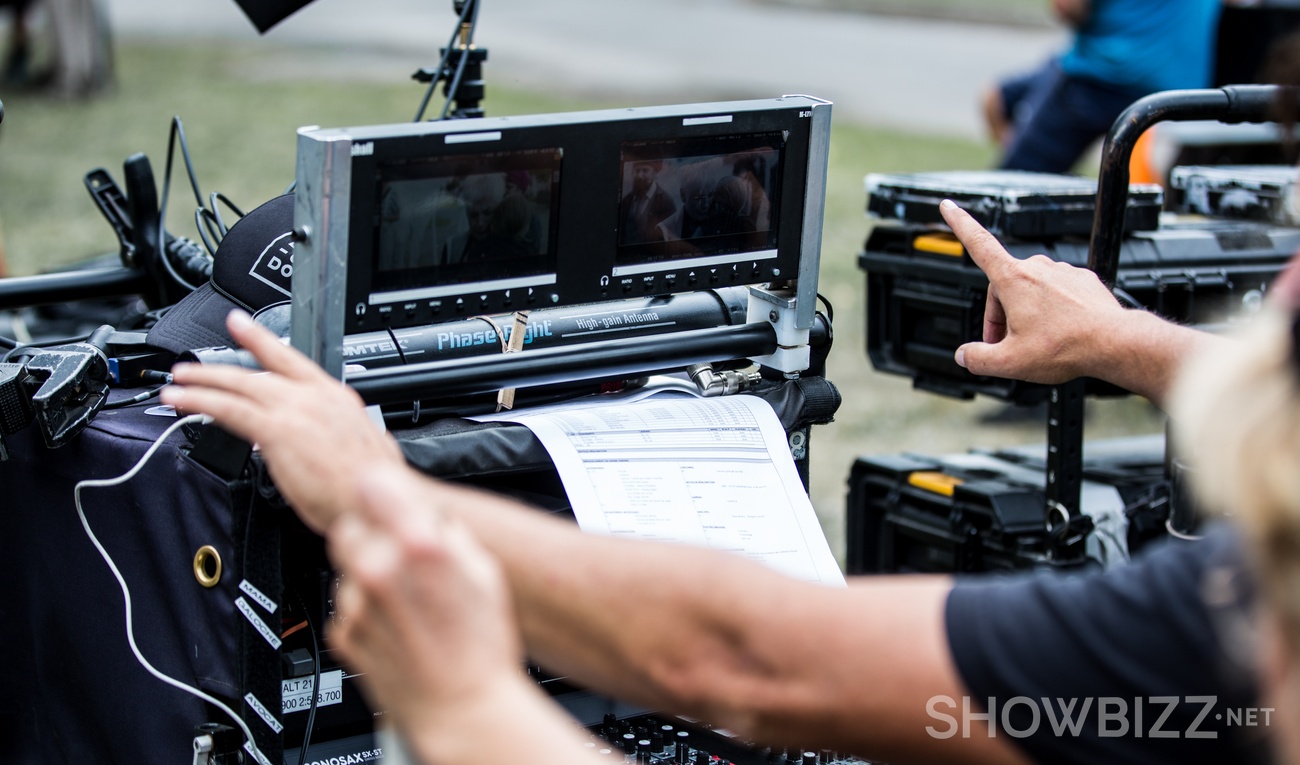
(1009, 203)
(925, 297)
(1252, 192)
(986, 511)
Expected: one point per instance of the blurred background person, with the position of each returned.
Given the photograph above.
(79, 58)
(1120, 51)
(19, 54)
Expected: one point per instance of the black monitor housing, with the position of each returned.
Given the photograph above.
(416, 224)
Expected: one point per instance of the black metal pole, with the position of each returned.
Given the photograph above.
(1237, 103)
(628, 357)
(61, 287)
(1066, 409)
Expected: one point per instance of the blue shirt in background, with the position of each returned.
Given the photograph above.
(1145, 46)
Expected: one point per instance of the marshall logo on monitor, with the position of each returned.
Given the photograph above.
(417, 224)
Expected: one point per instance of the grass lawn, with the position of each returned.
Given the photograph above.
(240, 124)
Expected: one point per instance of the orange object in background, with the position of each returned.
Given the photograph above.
(1141, 168)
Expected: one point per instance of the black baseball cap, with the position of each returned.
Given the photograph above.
(250, 270)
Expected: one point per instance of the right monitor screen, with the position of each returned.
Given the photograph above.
(699, 198)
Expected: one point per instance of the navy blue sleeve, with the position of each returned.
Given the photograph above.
(1125, 666)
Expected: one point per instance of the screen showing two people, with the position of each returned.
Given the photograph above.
(474, 218)
(703, 198)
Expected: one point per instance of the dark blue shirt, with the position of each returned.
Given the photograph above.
(1146, 663)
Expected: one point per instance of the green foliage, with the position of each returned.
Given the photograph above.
(240, 108)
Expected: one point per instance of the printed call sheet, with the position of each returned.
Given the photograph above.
(714, 472)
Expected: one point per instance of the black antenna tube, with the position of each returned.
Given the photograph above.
(626, 357)
(62, 287)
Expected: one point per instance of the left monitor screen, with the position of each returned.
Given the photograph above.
(466, 219)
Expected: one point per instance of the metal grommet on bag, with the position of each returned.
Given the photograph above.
(207, 566)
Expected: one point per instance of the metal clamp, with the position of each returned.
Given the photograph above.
(780, 309)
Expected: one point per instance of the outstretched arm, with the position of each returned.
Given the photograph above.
(727, 640)
(672, 627)
(1050, 322)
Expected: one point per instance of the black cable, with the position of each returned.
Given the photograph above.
(177, 131)
(315, 681)
(454, 85)
(442, 63)
(830, 309)
(446, 54)
(16, 347)
(149, 375)
(200, 222)
(211, 226)
(1125, 298)
(139, 398)
(217, 196)
(15, 352)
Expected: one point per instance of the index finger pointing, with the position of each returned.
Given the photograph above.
(984, 248)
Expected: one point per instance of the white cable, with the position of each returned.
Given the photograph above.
(126, 592)
(1176, 534)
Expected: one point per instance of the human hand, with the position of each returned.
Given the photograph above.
(423, 612)
(312, 430)
(1072, 13)
(1044, 321)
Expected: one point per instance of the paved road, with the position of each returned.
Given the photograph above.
(919, 75)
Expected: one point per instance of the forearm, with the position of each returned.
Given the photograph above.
(471, 733)
(625, 618)
(1144, 353)
(723, 639)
